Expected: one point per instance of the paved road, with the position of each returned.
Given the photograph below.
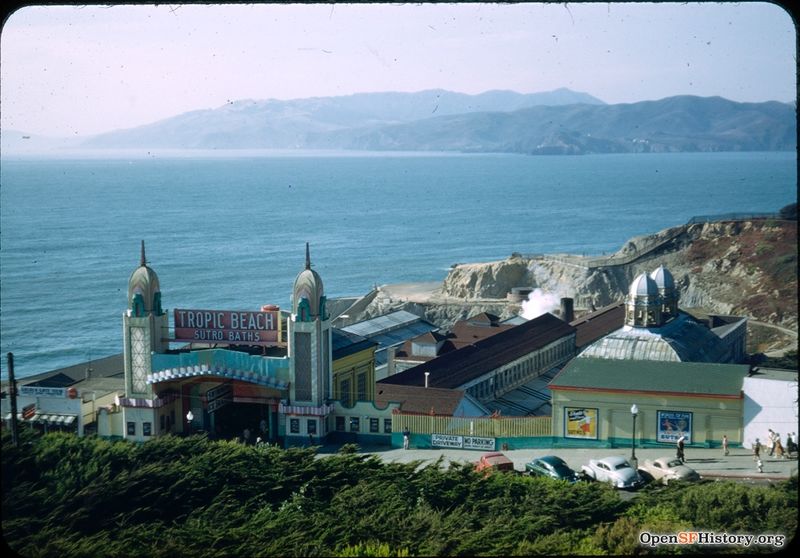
(710, 463)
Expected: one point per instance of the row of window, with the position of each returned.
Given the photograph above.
(345, 394)
(355, 424)
(294, 426)
(529, 368)
(147, 428)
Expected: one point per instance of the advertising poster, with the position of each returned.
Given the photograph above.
(580, 423)
(674, 424)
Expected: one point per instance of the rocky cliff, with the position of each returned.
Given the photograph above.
(731, 267)
(746, 268)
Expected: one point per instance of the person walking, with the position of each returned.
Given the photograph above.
(406, 437)
(779, 453)
(791, 445)
(757, 450)
(771, 440)
(725, 444)
(680, 447)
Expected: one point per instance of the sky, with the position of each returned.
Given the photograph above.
(68, 71)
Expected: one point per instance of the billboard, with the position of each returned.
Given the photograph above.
(226, 326)
(580, 423)
(674, 424)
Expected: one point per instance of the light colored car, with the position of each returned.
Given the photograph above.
(666, 469)
(614, 470)
(493, 461)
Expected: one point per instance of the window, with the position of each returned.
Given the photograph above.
(131, 428)
(294, 426)
(355, 424)
(387, 426)
(374, 425)
(344, 391)
(362, 387)
(340, 424)
(147, 429)
(311, 427)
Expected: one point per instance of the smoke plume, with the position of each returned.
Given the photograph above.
(538, 303)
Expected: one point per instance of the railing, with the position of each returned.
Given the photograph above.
(489, 427)
(732, 217)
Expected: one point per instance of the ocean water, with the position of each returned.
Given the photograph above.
(227, 230)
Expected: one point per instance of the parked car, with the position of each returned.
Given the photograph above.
(666, 469)
(553, 467)
(614, 470)
(493, 461)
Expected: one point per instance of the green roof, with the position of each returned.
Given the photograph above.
(696, 378)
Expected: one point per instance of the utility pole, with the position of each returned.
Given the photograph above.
(12, 390)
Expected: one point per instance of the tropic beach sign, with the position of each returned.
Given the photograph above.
(226, 326)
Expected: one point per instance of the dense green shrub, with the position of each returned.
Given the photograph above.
(66, 496)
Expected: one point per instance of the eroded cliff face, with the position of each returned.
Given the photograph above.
(746, 268)
(486, 280)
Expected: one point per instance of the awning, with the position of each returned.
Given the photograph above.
(65, 420)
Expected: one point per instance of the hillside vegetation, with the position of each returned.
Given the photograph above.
(67, 496)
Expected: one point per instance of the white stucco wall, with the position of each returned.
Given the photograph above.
(769, 403)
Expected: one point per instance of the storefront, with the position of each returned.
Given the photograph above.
(593, 403)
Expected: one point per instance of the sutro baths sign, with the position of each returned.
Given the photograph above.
(226, 326)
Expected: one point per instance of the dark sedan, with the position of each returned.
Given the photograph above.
(553, 467)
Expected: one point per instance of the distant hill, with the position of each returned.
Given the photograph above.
(674, 124)
(291, 124)
(555, 122)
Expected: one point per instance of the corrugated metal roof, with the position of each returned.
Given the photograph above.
(456, 368)
(416, 399)
(344, 343)
(682, 339)
(655, 376)
(593, 326)
(383, 324)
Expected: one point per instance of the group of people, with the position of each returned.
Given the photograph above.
(260, 437)
(776, 448)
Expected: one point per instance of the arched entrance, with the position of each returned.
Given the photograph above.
(231, 409)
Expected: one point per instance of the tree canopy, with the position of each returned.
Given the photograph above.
(189, 496)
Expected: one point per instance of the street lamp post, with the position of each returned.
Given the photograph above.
(634, 412)
(189, 419)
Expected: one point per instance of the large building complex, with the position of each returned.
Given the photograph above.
(290, 377)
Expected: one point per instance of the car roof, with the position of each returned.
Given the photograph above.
(665, 458)
(613, 460)
(551, 459)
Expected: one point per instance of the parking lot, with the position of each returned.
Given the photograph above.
(710, 463)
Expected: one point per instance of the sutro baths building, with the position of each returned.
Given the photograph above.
(289, 377)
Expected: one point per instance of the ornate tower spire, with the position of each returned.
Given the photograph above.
(143, 260)
(308, 257)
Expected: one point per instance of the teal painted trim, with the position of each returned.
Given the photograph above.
(157, 304)
(529, 442)
(303, 313)
(567, 443)
(137, 306)
(653, 444)
(275, 368)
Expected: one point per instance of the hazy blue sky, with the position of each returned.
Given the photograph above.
(74, 70)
